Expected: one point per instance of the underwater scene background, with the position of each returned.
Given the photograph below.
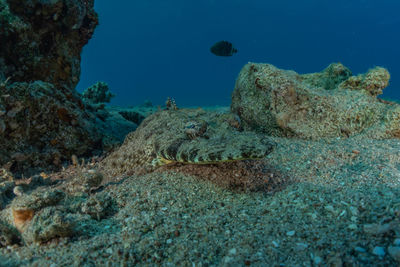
(149, 50)
(293, 160)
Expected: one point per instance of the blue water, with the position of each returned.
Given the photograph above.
(151, 49)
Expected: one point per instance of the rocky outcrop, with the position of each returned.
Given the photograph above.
(332, 103)
(43, 120)
(42, 127)
(43, 39)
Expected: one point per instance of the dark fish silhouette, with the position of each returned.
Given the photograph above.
(223, 49)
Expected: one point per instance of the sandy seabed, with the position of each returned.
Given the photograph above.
(333, 202)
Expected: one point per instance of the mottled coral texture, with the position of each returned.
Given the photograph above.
(331, 103)
(43, 120)
(42, 40)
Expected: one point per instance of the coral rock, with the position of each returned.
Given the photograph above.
(98, 93)
(48, 224)
(43, 40)
(48, 125)
(374, 81)
(44, 126)
(328, 104)
(8, 235)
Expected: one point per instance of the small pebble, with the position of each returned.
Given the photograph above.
(329, 208)
(18, 191)
(169, 241)
(290, 233)
(377, 229)
(276, 244)
(353, 226)
(360, 249)
(228, 259)
(301, 246)
(396, 242)
(353, 210)
(232, 251)
(394, 252)
(379, 251)
(317, 260)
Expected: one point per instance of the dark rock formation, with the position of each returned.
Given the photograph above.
(331, 103)
(43, 39)
(42, 127)
(98, 93)
(43, 120)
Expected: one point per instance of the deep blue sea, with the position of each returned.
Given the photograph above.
(152, 49)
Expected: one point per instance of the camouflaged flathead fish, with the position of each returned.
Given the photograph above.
(187, 136)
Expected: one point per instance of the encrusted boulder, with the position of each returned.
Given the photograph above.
(43, 120)
(50, 223)
(332, 103)
(43, 126)
(43, 39)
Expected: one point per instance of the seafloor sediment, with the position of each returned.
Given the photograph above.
(332, 201)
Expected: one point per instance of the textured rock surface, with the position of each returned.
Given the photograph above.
(42, 127)
(174, 218)
(48, 224)
(47, 209)
(42, 40)
(8, 235)
(43, 120)
(167, 136)
(328, 104)
(98, 93)
(25, 207)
